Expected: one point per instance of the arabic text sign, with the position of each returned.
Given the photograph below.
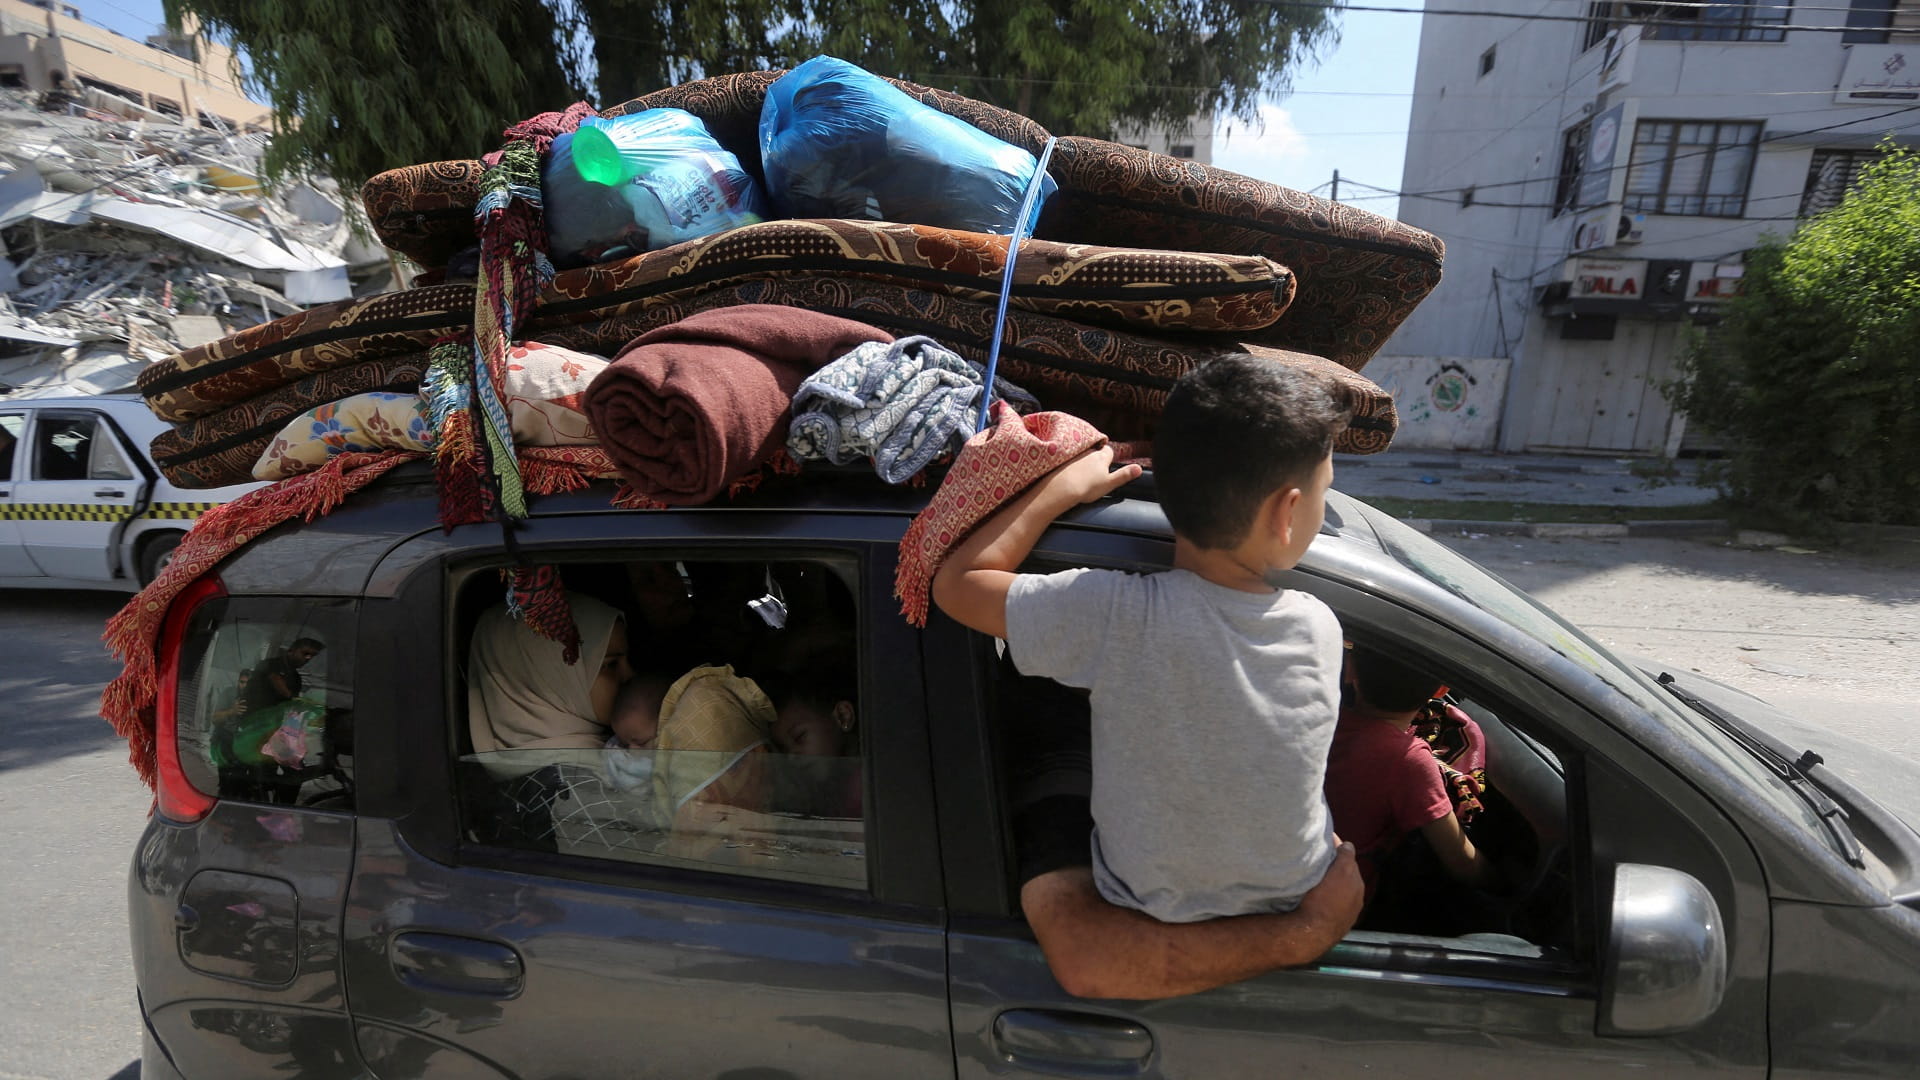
(1877, 73)
(1608, 279)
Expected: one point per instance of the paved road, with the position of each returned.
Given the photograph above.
(70, 811)
(1834, 638)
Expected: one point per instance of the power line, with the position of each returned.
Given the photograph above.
(1693, 24)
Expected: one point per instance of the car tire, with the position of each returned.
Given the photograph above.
(156, 552)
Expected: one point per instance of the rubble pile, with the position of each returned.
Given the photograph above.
(126, 236)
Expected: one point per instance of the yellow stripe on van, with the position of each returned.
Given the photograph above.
(166, 511)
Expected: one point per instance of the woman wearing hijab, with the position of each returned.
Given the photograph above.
(523, 695)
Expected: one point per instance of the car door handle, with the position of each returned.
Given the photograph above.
(456, 965)
(1059, 1039)
(109, 493)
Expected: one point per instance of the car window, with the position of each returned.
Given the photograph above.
(63, 447)
(264, 710)
(730, 738)
(109, 461)
(12, 427)
(1461, 577)
(1450, 749)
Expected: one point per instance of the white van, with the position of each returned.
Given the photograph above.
(82, 505)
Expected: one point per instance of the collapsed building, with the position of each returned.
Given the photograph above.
(127, 234)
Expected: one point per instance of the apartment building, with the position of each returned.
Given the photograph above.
(1194, 141)
(46, 45)
(1598, 181)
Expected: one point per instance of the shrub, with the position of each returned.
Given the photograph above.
(1814, 377)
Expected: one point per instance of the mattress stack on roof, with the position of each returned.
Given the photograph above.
(1143, 265)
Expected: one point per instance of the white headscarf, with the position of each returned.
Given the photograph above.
(521, 692)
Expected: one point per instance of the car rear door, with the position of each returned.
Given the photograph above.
(1399, 1004)
(14, 560)
(480, 958)
(78, 488)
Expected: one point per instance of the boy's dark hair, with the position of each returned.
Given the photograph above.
(1236, 429)
(1389, 685)
(312, 643)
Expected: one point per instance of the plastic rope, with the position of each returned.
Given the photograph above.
(1006, 280)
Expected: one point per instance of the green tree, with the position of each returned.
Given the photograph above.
(1814, 377)
(377, 84)
(358, 87)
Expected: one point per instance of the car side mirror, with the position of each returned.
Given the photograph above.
(1666, 960)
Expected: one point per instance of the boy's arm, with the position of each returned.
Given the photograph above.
(1099, 950)
(1464, 862)
(971, 585)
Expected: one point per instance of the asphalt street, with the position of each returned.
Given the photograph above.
(1833, 637)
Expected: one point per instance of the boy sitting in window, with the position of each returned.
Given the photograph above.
(1214, 692)
(1384, 782)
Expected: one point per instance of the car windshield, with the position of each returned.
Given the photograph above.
(1465, 579)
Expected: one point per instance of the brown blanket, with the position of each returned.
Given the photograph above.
(691, 407)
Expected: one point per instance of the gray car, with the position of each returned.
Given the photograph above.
(1697, 886)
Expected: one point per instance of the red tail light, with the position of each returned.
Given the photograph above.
(177, 798)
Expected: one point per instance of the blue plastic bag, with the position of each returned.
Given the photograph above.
(629, 184)
(836, 141)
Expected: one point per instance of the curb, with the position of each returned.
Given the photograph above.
(1571, 530)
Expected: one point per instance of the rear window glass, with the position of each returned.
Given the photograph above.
(265, 704)
(731, 737)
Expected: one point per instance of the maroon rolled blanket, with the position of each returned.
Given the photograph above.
(691, 407)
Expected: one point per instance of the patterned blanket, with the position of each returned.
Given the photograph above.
(1360, 274)
(1153, 290)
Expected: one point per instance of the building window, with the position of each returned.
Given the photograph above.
(1180, 150)
(104, 87)
(12, 77)
(1691, 168)
(1486, 60)
(166, 108)
(1832, 175)
(1599, 23)
(1573, 154)
(1879, 22)
(1762, 20)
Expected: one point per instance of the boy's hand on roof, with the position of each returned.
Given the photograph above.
(1336, 901)
(1086, 478)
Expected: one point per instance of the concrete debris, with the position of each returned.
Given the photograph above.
(126, 236)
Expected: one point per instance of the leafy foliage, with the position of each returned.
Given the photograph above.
(377, 84)
(1814, 378)
(358, 87)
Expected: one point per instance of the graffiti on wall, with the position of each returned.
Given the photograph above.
(1444, 402)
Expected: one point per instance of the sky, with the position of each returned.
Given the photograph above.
(1347, 112)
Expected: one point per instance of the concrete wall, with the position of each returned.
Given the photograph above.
(1445, 402)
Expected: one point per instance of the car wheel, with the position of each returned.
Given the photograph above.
(155, 553)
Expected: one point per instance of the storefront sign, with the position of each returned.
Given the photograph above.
(1715, 283)
(1596, 228)
(1877, 73)
(1603, 146)
(1608, 279)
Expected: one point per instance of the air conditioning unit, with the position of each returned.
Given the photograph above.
(1632, 229)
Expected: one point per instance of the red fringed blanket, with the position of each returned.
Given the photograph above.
(134, 631)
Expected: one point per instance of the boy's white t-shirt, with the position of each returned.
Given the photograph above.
(1213, 710)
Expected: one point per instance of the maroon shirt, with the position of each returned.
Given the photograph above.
(1382, 783)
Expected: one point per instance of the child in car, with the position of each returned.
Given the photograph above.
(1213, 692)
(1384, 783)
(635, 723)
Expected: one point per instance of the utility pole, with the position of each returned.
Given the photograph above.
(1335, 197)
